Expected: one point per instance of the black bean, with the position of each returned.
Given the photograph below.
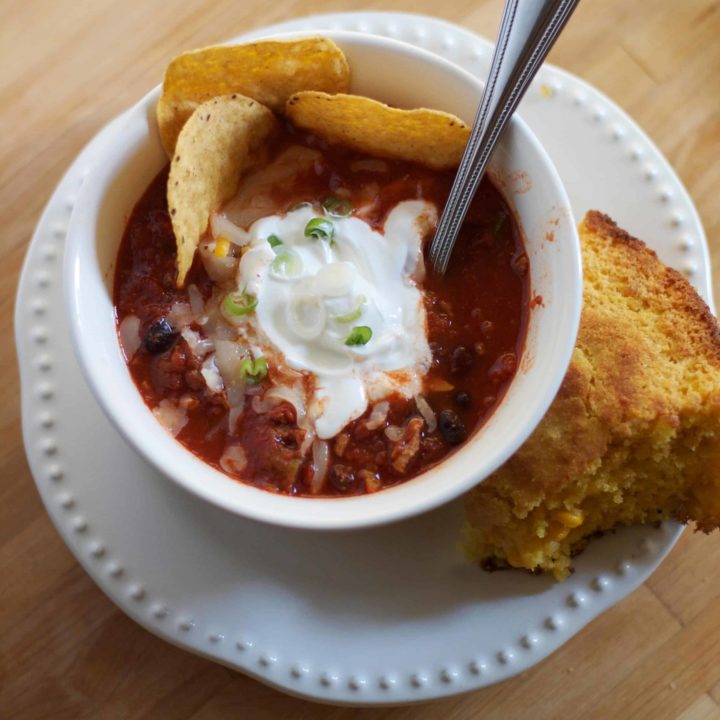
(342, 477)
(462, 400)
(461, 360)
(160, 337)
(451, 427)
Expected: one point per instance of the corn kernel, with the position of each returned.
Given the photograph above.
(570, 518)
(222, 247)
(557, 532)
(514, 559)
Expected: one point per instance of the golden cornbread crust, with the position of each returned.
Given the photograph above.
(633, 435)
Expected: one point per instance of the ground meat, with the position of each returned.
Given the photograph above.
(188, 402)
(405, 449)
(283, 414)
(370, 480)
(341, 443)
(289, 437)
(342, 477)
(168, 370)
(194, 380)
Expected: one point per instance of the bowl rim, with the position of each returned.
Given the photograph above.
(245, 500)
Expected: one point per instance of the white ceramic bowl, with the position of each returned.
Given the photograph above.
(404, 76)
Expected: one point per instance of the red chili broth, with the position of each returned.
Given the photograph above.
(481, 305)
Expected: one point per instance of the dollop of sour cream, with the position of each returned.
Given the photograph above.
(314, 295)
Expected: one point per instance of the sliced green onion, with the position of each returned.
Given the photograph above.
(287, 264)
(336, 207)
(236, 304)
(360, 335)
(320, 229)
(274, 241)
(353, 315)
(254, 371)
(299, 205)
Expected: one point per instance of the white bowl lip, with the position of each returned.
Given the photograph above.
(302, 513)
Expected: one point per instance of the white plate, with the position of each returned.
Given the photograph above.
(383, 615)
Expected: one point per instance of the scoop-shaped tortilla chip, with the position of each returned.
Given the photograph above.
(219, 142)
(269, 72)
(430, 137)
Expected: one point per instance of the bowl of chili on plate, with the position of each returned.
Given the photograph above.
(311, 371)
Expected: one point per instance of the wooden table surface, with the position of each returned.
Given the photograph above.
(66, 68)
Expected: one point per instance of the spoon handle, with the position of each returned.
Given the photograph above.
(528, 30)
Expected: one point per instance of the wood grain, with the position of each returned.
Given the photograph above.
(69, 66)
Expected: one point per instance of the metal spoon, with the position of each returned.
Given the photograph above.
(528, 30)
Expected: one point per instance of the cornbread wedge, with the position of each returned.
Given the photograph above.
(633, 435)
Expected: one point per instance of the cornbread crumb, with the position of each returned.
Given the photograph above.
(633, 435)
